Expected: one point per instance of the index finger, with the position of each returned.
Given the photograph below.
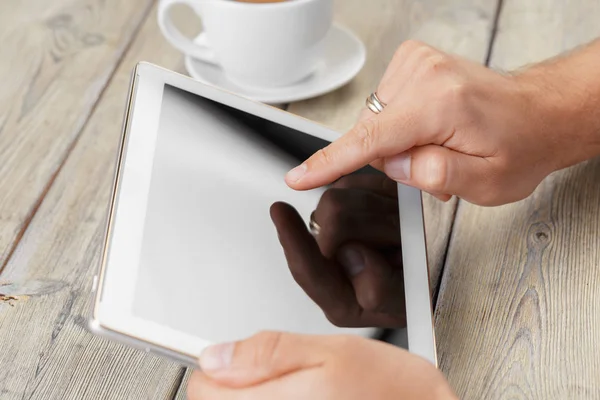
(323, 282)
(384, 135)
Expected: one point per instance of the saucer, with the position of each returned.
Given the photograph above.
(344, 57)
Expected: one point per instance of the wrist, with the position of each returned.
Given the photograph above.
(566, 98)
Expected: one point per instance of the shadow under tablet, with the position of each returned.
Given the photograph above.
(211, 263)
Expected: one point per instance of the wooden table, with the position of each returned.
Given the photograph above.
(516, 286)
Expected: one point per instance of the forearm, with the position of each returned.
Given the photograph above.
(567, 91)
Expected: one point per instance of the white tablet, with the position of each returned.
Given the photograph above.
(192, 255)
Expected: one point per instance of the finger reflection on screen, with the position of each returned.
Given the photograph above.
(351, 264)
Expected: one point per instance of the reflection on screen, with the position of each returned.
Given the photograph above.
(227, 250)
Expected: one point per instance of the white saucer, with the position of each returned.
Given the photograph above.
(344, 57)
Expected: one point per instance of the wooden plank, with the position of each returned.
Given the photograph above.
(53, 263)
(517, 315)
(55, 59)
(46, 351)
(457, 26)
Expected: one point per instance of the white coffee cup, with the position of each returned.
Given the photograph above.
(258, 45)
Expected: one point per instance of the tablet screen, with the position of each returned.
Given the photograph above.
(228, 249)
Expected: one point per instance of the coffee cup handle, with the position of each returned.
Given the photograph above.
(199, 49)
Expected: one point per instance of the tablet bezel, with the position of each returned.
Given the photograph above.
(112, 316)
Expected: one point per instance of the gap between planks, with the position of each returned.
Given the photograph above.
(451, 238)
(48, 186)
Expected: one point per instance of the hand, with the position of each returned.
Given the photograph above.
(287, 366)
(454, 127)
(353, 268)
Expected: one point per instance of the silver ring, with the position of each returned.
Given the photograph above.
(313, 226)
(375, 104)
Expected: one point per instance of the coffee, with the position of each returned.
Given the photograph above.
(260, 1)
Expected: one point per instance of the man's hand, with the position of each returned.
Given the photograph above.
(454, 127)
(274, 365)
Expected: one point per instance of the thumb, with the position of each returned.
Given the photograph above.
(439, 171)
(264, 356)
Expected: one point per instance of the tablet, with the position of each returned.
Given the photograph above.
(192, 255)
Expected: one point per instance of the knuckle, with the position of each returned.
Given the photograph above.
(456, 93)
(365, 131)
(325, 157)
(434, 64)
(407, 47)
(423, 52)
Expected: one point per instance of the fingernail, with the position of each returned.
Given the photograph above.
(217, 357)
(296, 174)
(352, 260)
(398, 167)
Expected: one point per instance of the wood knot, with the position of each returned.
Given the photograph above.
(540, 234)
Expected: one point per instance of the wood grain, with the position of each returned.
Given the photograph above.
(461, 26)
(55, 59)
(517, 314)
(458, 26)
(46, 352)
(50, 270)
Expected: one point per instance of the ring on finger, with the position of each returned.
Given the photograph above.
(375, 104)
(313, 226)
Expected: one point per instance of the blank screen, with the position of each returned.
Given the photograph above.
(211, 263)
